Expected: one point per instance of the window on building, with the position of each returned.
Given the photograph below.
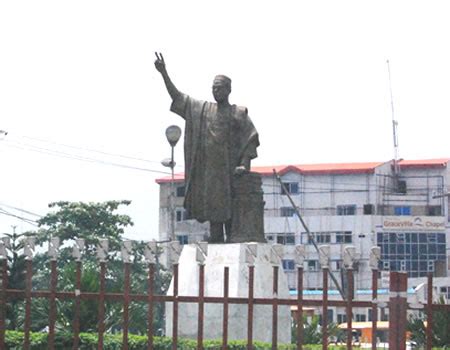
(344, 237)
(291, 188)
(320, 237)
(287, 211)
(180, 191)
(288, 264)
(360, 318)
(286, 238)
(181, 214)
(445, 291)
(434, 210)
(183, 239)
(402, 210)
(323, 237)
(348, 209)
(341, 318)
(412, 252)
(313, 265)
(336, 265)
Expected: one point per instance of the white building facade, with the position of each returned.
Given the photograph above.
(405, 213)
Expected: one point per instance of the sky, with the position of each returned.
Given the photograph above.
(86, 111)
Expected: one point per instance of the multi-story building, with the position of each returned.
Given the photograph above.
(402, 209)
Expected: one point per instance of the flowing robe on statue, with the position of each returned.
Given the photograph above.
(215, 143)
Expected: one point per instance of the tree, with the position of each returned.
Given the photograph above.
(92, 222)
(312, 331)
(16, 279)
(440, 328)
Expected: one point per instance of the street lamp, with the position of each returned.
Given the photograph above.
(173, 134)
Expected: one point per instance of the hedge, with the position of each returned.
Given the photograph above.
(89, 341)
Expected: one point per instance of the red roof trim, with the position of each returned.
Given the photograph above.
(178, 178)
(426, 163)
(330, 168)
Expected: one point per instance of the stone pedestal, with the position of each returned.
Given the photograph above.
(233, 256)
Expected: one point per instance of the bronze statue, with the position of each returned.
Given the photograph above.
(219, 143)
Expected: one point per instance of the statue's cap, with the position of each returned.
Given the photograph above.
(222, 78)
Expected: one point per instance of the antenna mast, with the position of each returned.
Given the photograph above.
(394, 125)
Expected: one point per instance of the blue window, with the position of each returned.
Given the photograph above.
(402, 210)
(183, 239)
(287, 211)
(288, 264)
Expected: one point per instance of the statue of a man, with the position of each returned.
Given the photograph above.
(219, 143)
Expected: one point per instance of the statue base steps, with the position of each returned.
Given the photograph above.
(234, 256)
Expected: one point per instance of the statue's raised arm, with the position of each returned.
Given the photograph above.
(160, 66)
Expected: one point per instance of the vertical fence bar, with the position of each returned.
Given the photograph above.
(201, 294)
(374, 308)
(29, 268)
(251, 277)
(403, 308)
(226, 279)
(429, 332)
(397, 310)
(299, 308)
(275, 309)
(175, 308)
(151, 279)
(126, 305)
(348, 311)
(52, 302)
(325, 309)
(101, 306)
(4, 264)
(76, 321)
(393, 312)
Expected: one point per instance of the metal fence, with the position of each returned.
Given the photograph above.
(397, 304)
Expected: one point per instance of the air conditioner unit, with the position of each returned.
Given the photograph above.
(369, 209)
(401, 186)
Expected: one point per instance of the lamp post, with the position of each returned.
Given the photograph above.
(173, 134)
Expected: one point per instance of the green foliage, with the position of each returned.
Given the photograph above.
(312, 331)
(92, 222)
(89, 341)
(440, 330)
(16, 280)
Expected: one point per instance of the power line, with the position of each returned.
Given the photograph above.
(91, 150)
(28, 221)
(51, 152)
(20, 209)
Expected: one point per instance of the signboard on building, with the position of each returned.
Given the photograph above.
(414, 223)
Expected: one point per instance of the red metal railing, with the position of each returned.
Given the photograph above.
(397, 305)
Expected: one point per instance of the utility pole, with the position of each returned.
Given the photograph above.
(394, 126)
(310, 236)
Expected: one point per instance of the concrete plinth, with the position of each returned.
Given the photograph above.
(233, 256)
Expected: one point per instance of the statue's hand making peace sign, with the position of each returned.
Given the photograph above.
(159, 63)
